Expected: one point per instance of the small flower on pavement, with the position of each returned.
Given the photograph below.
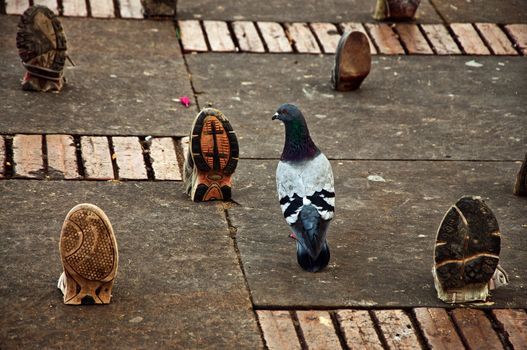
(185, 101)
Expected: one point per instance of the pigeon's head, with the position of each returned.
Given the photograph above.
(289, 113)
(298, 144)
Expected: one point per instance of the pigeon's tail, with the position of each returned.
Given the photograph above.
(308, 263)
(311, 235)
(312, 249)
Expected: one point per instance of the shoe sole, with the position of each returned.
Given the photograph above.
(520, 187)
(88, 250)
(214, 152)
(352, 61)
(467, 246)
(395, 9)
(40, 31)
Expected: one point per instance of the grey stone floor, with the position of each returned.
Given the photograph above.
(433, 128)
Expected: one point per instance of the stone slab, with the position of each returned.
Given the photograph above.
(291, 11)
(480, 115)
(179, 284)
(510, 11)
(127, 77)
(382, 237)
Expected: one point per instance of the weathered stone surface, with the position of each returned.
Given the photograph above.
(178, 286)
(291, 11)
(510, 11)
(118, 87)
(382, 237)
(386, 118)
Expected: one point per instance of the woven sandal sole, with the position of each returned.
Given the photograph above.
(467, 246)
(214, 151)
(88, 250)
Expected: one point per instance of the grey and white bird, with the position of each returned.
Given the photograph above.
(304, 180)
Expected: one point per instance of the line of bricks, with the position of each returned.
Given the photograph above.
(246, 36)
(394, 329)
(80, 8)
(396, 39)
(89, 157)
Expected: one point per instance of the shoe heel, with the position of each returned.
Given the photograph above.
(211, 185)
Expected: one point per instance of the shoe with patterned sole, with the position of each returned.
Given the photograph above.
(467, 253)
(520, 187)
(397, 10)
(352, 62)
(212, 157)
(89, 255)
(41, 44)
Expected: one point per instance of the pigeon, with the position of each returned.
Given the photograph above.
(304, 181)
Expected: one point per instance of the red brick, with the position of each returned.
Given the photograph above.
(96, 157)
(328, 36)
(62, 157)
(130, 8)
(16, 7)
(102, 8)
(192, 36)
(469, 39)
(219, 36)
(440, 39)
(496, 39)
(129, 158)
(302, 38)
(397, 329)
(274, 36)
(358, 329)
(164, 159)
(413, 40)
(438, 330)
(27, 156)
(476, 329)
(318, 330)
(74, 8)
(518, 32)
(247, 36)
(514, 324)
(385, 39)
(278, 329)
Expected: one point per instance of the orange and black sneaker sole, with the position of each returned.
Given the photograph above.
(214, 151)
(89, 255)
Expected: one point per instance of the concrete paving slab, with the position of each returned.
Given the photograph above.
(510, 11)
(382, 237)
(407, 108)
(179, 284)
(291, 11)
(127, 76)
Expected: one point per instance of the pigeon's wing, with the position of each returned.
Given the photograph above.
(290, 189)
(319, 186)
(304, 183)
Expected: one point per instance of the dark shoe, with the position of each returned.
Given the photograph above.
(399, 10)
(467, 253)
(41, 44)
(520, 187)
(89, 255)
(212, 157)
(352, 62)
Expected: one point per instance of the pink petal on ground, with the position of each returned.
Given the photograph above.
(185, 101)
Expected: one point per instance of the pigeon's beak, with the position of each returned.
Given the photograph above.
(276, 116)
